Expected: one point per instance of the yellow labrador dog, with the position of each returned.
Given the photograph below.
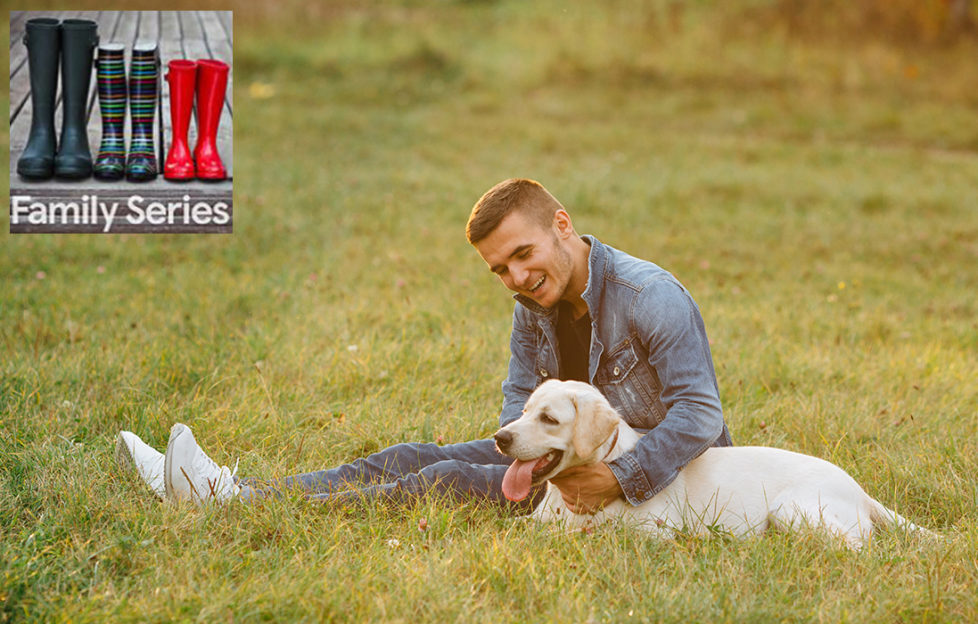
(741, 490)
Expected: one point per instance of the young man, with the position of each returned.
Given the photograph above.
(584, 311)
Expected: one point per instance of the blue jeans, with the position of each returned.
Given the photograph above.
(405, 472)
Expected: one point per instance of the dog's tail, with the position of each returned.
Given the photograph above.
(882, 514)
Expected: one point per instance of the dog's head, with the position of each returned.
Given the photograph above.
(563, 425)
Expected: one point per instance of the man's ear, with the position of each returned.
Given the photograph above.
(562, 223)
(594, 422)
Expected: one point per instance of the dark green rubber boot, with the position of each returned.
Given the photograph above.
(43, 41)
(78, 41)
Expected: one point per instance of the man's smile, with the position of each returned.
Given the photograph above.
(538, 284)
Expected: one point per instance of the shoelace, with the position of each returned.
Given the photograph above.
(223, 486)
(226, 487)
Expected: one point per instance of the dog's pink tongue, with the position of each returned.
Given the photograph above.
(517, 480)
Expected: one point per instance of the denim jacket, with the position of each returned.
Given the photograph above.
(649, 357)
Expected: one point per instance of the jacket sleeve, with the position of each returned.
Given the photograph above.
(522, 377)
(668, 323)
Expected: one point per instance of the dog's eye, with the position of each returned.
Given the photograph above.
(548, 419)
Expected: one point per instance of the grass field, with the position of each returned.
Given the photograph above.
(818, 195)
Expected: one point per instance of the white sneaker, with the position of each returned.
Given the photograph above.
(189, 474)
(132, 453)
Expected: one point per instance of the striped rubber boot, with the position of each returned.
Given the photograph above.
(110, 164)
(144, 78)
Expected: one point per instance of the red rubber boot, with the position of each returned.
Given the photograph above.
(182, 79)
(212, 82)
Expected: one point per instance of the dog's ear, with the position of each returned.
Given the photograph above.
(594, 422)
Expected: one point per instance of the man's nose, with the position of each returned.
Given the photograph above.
(503, 440)
(520, 276)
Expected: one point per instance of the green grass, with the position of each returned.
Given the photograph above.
(818, 200)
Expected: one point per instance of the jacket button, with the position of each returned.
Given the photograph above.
(617, 370)
(544, 373)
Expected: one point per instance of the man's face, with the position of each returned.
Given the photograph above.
(529, 259)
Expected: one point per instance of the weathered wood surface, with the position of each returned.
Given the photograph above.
(180, 34)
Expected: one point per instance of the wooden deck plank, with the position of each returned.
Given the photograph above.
(220, 49)
(189, 27)
(126, 33)
(20, 81)
(149, 26)
(18, 51)
(170, 192)
(16, 23)
(108, 24)
(170, 36)
(227, 23)
(170, 49)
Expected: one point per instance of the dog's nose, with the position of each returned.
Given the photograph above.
(503, 439)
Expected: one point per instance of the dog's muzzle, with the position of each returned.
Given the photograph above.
(504, 440)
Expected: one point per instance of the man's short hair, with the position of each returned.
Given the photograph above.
(513, 195)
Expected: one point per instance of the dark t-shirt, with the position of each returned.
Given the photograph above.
(573, 343)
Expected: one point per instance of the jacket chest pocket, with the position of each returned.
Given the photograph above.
(631, 386)
(545, 365)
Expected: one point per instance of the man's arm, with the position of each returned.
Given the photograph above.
(668, 324)
(522, 378)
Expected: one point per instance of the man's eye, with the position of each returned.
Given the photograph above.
(548, 419)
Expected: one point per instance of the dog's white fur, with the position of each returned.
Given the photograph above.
(739, 490)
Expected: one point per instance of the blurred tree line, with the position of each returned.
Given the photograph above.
(917, 21)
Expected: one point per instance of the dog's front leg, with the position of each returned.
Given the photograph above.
(552, 507)
(554, 511)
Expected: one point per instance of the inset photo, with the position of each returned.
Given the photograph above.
(121, 122)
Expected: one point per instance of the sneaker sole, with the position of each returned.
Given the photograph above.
(175, 432)
(123, 457)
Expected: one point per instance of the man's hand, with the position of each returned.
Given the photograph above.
(587, 489)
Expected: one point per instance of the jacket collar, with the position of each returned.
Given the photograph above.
(597, 261)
